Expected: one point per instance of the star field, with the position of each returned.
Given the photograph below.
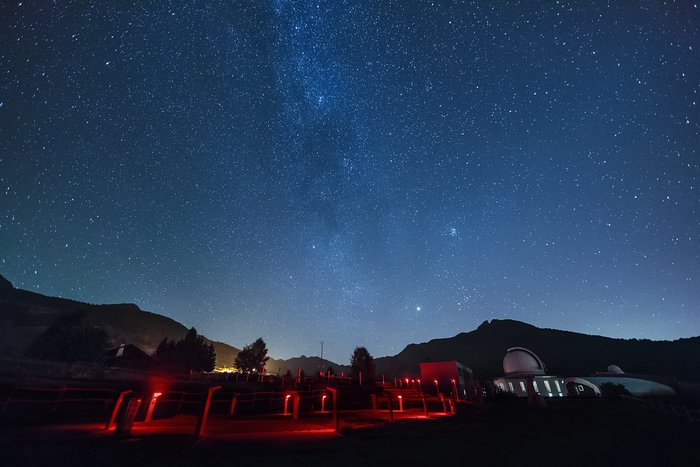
(363, 173)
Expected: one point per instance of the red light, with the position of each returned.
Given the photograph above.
(400, 397)
(324, 396)
(157, 395)
(288, 396)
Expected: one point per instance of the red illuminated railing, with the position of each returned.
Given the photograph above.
(23, 395)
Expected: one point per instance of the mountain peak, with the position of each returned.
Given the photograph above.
(4, 283)
(503, 323)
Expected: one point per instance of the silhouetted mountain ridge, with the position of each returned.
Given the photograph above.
(563, 352)
(25, 314)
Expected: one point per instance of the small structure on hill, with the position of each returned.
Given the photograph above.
(128, 356)
(448, 377)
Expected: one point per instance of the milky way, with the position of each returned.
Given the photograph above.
(362, 173)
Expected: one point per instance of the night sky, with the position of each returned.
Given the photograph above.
(359, 173)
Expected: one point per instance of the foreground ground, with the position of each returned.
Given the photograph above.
(571, 433)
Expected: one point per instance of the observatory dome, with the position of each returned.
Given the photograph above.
(519, 360)
(616, 370)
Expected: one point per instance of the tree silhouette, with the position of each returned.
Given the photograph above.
(252, 357)
(191, 353)
(613, 391)
(70, 339)
(362, 362)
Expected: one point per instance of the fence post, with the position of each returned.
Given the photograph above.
(127, 421)
(117, 405)
(295, 414)
(202, 421)
(336, 417)
(232, 409)
(182, 400)
(391, 409)
(152, 406)
(425, 406)
(62, 391)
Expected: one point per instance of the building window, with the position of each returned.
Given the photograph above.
(510, 385)
(547, 387)
(556, 383)
(522, 386)
(534, 385)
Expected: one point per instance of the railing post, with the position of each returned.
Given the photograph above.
(202, 421)
(336, 417)
(115, 411)
(152, 406)
(62, 391)
(182, 400)
(127, 420)
(391, 409)
(232, 408)
(295, 414)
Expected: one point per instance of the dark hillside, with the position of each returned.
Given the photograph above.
(563, 352)
(24, 315)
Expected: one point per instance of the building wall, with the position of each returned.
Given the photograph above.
(546, 386)
(444, 373)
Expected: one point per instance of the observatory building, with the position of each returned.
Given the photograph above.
(636, 385)
(525, 375)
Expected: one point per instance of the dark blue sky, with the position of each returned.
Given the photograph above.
(362, 173)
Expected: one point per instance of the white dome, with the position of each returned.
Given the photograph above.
(616, 370)
(522, 361)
